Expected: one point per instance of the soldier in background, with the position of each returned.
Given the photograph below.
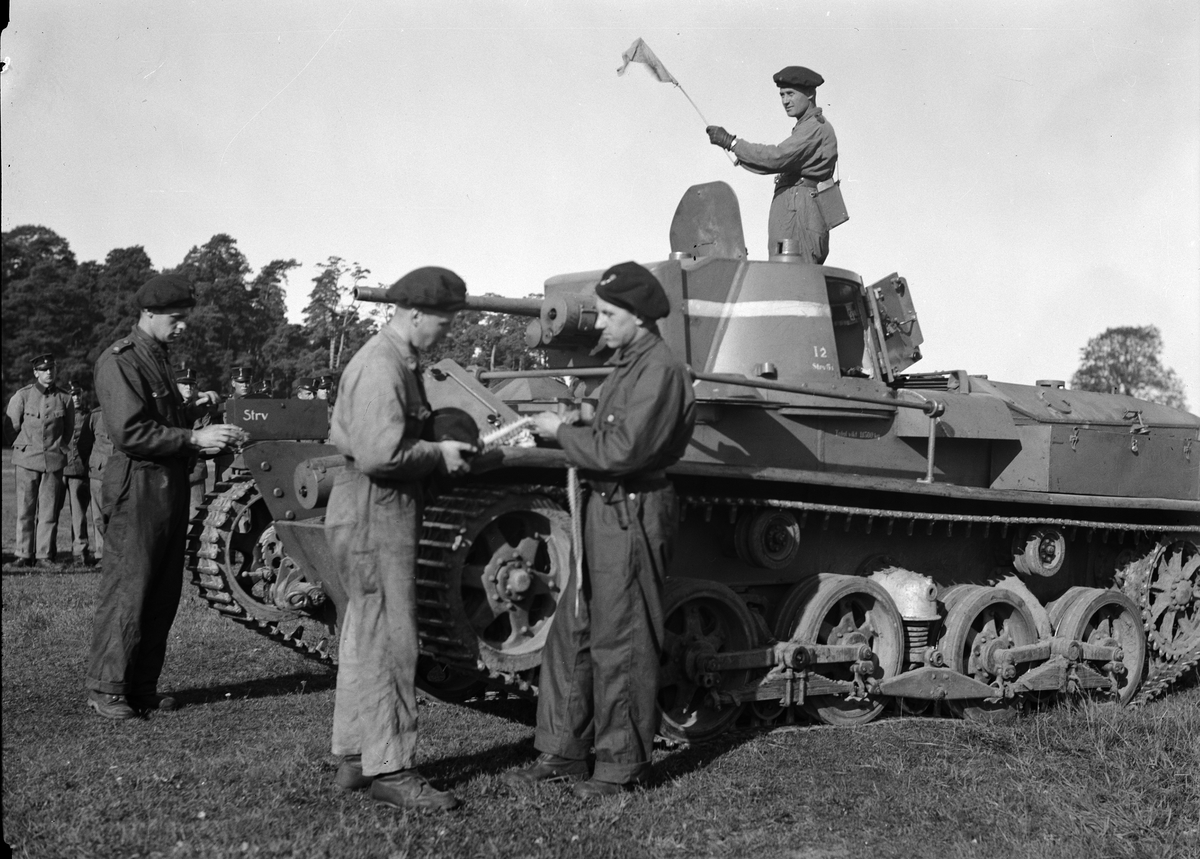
(42, 419)
(79, 493)
(240, 382)
(325, 387)
(101, 450)
(305, 389)
(185, 381)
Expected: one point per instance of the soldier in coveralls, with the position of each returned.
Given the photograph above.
(599, 678)
(145, 502)
(800, 163)
(372, 527)
(42, 418)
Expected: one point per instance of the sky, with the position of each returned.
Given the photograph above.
(1032, 167)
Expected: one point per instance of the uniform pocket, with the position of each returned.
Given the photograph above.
(366, 570)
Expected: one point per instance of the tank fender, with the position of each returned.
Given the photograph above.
(966, 416)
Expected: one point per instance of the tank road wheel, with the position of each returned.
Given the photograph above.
(701, 619)
(835, 610)
(240, 568)
(510, 566)
(981, 619)
(1107, 618)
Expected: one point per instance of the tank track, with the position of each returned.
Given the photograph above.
(208, 543)
(447, 518)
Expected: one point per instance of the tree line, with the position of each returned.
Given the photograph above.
(53, 303)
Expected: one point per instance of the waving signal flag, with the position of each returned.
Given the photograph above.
(639, 52)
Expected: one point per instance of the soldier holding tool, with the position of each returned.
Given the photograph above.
(599, 677)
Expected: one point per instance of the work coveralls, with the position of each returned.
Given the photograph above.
(144, 506)
(372, 527)
(101, 450)
(807, 157)
(79, 493)
(43, 420)
(598, 686)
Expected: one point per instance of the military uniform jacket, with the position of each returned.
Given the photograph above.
(381, 410)
(144, 412)
(644, 418)
(101, 444)
(810, 152)
(43, 420)
(80, 447)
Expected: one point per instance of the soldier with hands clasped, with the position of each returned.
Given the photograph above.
(41, 417)
(598, 686)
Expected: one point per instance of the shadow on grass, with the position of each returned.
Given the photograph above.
(297, 683)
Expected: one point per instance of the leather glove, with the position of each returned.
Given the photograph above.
(718, 136)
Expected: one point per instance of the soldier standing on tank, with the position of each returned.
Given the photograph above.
(145, 502)
(801, 162)
(97, 460)
(372, 527)
(79, 494)
(598, 686)
(42, 419)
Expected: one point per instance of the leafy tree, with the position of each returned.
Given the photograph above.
(113, 296)
(38, 303)
(334, 323)
(1128, 361)
(489, 340)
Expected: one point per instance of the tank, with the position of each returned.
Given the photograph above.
(855, 536)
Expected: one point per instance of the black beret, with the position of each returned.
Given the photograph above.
(452, 424)
(798, 77)
(43, 362)
(166, 292)
(634, 288)
(429, 288)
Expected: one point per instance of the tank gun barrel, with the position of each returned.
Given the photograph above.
(486, 303)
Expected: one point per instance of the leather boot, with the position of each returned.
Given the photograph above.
(410, 789)
(596, 789)
(350, 775)
(111, 706)
(547, 768)
(147, 703)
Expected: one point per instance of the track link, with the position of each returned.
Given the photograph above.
(211, 553)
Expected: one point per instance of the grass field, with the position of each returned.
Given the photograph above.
(244, 769)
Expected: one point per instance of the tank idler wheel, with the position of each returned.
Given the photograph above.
(830, 610)
(701, 620)
(980, 619)
(1106, 618)
(446, 684)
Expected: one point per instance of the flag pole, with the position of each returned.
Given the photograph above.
(732, 158)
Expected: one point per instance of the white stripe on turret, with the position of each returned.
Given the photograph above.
(755, 309)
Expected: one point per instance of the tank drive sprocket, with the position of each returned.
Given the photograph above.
(240, 569)
(1165, 582)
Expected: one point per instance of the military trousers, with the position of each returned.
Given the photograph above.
(39, 497)
(144, 508)
(96, 518)
(372, 529)
(79, 497)
(794, 215)
(598, 687)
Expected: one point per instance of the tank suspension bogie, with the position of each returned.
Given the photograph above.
(1039, 550)
(847, 632)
